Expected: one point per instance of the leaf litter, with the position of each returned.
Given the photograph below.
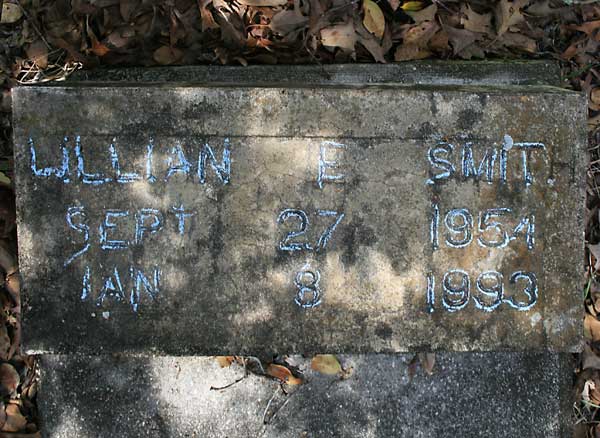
(47, 40)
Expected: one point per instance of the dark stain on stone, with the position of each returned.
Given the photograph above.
(467, 118)
(357, 233)
(433, 105)
(216, 242)
(196, 110)
(384, 331)
(359, 318)
(425, 130)
(483, 99)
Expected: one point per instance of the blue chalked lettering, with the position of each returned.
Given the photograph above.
(107, 225)
(430, 292)
(434, 226)
(526, 148)
(177, 162)
(114, 159)
(486, 165)
(286, 244)
(531, 291)
(507, 145)
(307, 283)
(61, 172)
(111, 288)
(440, 163)
(529, 222)
(142, 228)
(494, 290)
(93, 179)
(460, 291)
(149, 148)
(222, 169)
(140, 280)
(487, 222)
(326, 236)
(465, 227)
(80, 227)
(86, 288)
(324, 164)
(181, 215)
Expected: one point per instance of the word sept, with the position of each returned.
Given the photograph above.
(488, 290)
(111, 230)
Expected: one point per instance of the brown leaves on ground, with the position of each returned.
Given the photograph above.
(326, 364)
(330, 365)
(63, 34)
(17, 390)
(283, 374)
(18, 374)
(425, 360)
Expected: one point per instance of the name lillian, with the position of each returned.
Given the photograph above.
(176, 163)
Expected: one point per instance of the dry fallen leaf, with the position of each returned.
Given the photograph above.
(588, 28)
(519, 41)
(471, 20)
(415, 40)
(589, 358)
(326, 364)
(166, 55)
(340, 35)
(11, 13)
(15, 421)
(412, 6)
(595, 250)
(262, 3)
(38, 53)
(2, 415)
(370, 42)
(542, 8)
(285, 22)
(225, 361)
(595, 99)
(9, 379)
(409, 52)
(394, 4)
(427, 361)
(283, 374)
(427, 14)
(374, 20)
(509, 14)
(420, 34)
(4, 342)
(460, 39)
(591, 328)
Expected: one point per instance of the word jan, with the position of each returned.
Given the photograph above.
(145, 221)
(443, 156)
(177, 161)
(122, 286)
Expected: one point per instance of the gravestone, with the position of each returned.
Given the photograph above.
(235, 218)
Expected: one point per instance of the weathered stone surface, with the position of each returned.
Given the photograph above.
(469, 395)
(412, 73)
(340, 186)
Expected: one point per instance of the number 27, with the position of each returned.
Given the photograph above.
(289, 244)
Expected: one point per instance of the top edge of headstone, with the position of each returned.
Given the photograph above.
(514, 72)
